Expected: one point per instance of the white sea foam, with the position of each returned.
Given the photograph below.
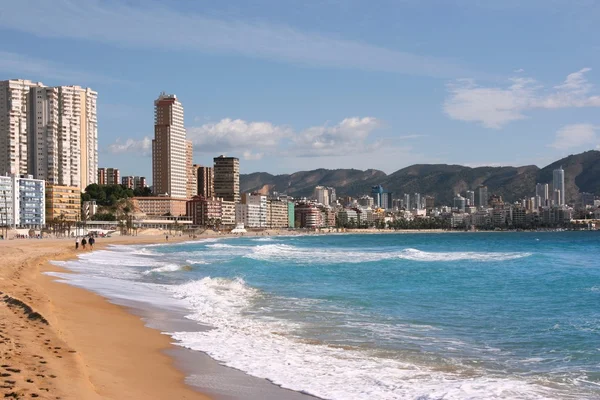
(265, 348)
(164, 268)
(418, 255)
(284, 252)
(196, 262)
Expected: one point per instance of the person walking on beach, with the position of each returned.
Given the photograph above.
(167, 238)
(91, 242)
(76, 243)
(83, 243)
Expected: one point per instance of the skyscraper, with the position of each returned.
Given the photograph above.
(227, 178)
(169, 148)
(542, 191)
(558, 183)
(49, 132)
(15, 117)
(110, 176)
(206, 186)
(470, 198)
(321, 194)
(482, 196)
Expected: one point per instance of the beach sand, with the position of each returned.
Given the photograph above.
(62, 342)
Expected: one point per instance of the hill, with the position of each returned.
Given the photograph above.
(582, 174)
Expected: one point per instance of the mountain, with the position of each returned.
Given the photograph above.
(582, 174)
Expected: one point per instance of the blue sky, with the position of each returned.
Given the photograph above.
(296, 85)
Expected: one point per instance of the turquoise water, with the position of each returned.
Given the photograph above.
(423, 316)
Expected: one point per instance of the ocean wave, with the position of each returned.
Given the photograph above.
(197, 262)
(418, 255)
(165, 268)
(284, 252)
(266, 348)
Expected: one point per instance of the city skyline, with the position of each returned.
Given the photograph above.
(280, 90)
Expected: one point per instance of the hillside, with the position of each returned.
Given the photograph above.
(582, 173)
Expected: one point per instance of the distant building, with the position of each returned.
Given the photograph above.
(407, 201)
(228, 213)
(192, 171)
(382, 198)
(277, 213)
(470, 196)
(429, 202)
(542, 195)
(205, 178)
(482, 196)
(321, 194)
(204, 211)
(558, 183)
(160, 206)
(134, 182)
(307, 216)
(109, 176)
(227, 178)
(460, 203)
(22, 202)
(252, 211)
(417, 201)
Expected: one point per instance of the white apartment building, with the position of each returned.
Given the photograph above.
(49, 132)
(169, 148)
(252, 212)
(14, 124)
(22, 202)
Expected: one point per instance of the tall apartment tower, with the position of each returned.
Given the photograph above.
(49, 132)
(227, 178)
(558, 183)
(191, 188)
(206, 186)
(542, 191)
(169, 148)
(482, 196)
(15, 119)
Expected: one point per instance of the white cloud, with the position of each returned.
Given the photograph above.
(236, 135)
(143, 146)
(347, 137)
(495, 107)
(575, 135)
(254, 140)
(154, 25)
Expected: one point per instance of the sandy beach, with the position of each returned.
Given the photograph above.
(62, 342)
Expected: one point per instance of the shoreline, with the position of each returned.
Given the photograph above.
(97, 348)
(89, 348)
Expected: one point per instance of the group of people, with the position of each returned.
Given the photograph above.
(85, 242)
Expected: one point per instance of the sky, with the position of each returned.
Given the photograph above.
(297, 85)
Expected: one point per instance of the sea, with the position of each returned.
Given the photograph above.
(378, 316)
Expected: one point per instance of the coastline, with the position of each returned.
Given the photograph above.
(89, 348)
(93, 348)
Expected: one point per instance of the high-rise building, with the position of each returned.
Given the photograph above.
(482, 196)
(15, 118)
(205, 178)
(417, 201)
(429, 202)
(49, 132)
(321, 194)
(558, 183)
(460, 203)
(192, 171)
(407, 201)
(109, 176)
(169, 148)
(227, 178)
(470, 196)
(542, 191)
(126, 181)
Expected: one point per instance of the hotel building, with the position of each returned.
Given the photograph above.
(169, 148)
(227, 178)
(205, 211)
(558, 186)
(277, 213)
